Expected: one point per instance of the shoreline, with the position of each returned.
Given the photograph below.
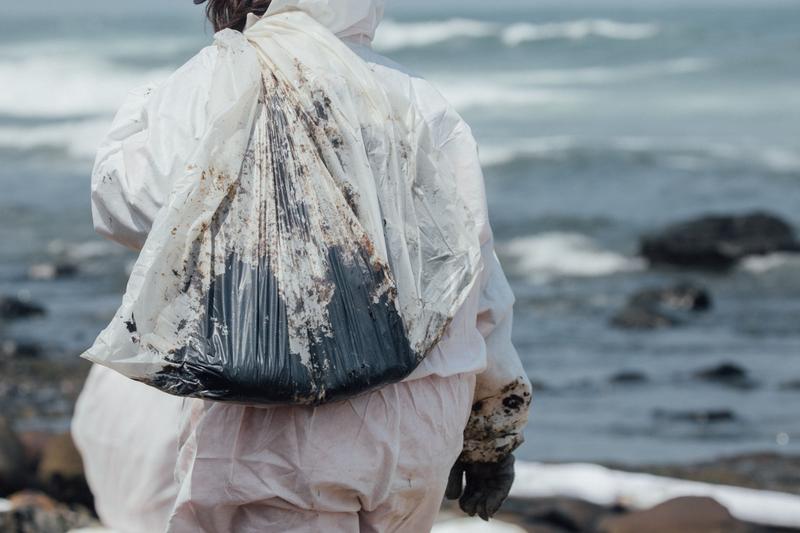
(42, 473)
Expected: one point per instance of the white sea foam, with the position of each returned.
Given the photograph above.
(604, 486)
(576, 30)
(474, 525)
(546, 256)
(540, 147)
(608, 75)
(62, 86)
(78, 139)
(759, 264)
(686, 154)
(471, 94)
(162, 47)
(393, 35)
(84, 251)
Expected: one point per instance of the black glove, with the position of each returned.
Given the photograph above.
(486, 488)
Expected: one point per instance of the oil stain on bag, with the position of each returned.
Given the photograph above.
(324, 262)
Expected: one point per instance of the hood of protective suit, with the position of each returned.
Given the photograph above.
(348, 19)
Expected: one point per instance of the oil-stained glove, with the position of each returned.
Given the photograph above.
(487, 486)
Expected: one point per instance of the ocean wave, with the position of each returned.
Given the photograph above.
(393, 35)
(148, 47)
(685, 154)
(608, 75)
(60, 86)
(546, 256)
(760, 264)
(536, 148)
(477, 94)
(77, 139)
(84, 251)
(577, 30)
(553, 86)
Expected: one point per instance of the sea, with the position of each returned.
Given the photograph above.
(599, 121)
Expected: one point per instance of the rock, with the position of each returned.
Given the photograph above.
(761, 471)
(793, 385)
(729, 374)
(662, 307)
(707, 416)
(34, 443)
(61, 473)
(51, 271)
(13, 474)
(683, 296)
(688, 514)
(12, 308)
(560, 513)
(718, 242)
(34, 512)
(642, 318)
(15, 349)
(628, 377)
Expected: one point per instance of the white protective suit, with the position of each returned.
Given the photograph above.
(377, 462)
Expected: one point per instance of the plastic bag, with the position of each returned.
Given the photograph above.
(313, 250)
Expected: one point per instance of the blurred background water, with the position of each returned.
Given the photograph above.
(599, 121)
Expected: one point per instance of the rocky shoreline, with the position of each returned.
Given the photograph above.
(43, 489)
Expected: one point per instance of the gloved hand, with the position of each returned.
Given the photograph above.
(487, 486)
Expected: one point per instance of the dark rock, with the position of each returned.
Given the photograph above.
(718, 242)
(13, 474)
(34, 512)
(12, 348)
(51, 271)
(761, 471)
(12, 308)
(729, 374)
(566, 514)
(689, 514)
(61, 473)
(642, 318)
(707, 416)
(683, 296)
(628, 377)
(34, 443)
(791, 385)
(662, 307)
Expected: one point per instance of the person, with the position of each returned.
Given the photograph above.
(381, 461)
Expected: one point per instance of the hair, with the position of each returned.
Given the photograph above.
(233, 13)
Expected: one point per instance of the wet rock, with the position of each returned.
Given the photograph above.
(13, 474)
(61, 472)
(701, 416)
(662, 307)
(12, 308)
(556, 513)
(628, 377)
(762, 471)
(686, 515)
(51, 271)
(729, 374)
(34, 443)
(793, 385)
(641, 318)
(718, 242)
(34, 512)
(15, 349)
